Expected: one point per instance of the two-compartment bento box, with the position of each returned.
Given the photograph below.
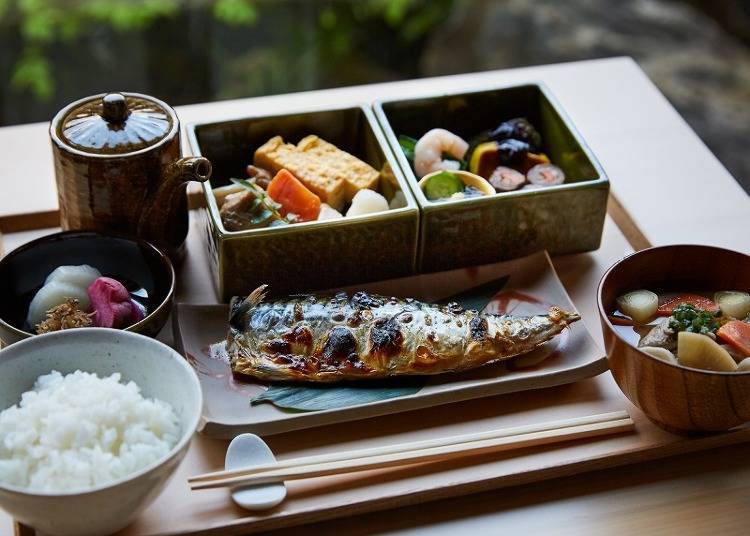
(566, 218)
(314, 254)
(423, 236)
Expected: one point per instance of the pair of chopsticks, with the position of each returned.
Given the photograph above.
(430, 450)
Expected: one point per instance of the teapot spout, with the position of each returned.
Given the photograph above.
(190, 168)
(164, 216)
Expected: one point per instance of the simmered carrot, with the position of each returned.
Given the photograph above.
(699, 302)
(736, 333)
(293, 196)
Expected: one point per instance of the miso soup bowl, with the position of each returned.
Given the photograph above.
(677, 398)
(158, 370)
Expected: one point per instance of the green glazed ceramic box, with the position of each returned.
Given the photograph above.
(310, 255)
(567, 218)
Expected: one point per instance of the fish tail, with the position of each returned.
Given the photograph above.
(253, 299)
(561, 316)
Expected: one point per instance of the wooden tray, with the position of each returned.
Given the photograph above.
(179, 511)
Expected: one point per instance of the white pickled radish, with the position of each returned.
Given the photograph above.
(733, 303)
(367, 202)
(327, 212)
(51, 295)
(640, 305)
(398, 201)
(80, 276)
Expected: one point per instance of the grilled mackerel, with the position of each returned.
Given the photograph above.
(313, 338)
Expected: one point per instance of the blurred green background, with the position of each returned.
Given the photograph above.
(186, 51)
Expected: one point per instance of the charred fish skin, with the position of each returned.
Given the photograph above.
(314, 338)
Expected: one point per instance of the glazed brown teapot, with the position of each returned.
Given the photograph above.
(120, 170)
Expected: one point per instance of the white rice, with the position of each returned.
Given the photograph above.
(80, 431)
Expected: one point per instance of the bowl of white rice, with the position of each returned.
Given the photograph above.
(92, 424)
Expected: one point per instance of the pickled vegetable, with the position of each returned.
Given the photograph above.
(702, 352)
(640, 305)
(442, 186)
(733, 303)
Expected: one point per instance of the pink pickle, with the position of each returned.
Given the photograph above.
(112, 304)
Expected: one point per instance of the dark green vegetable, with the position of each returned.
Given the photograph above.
(407, 144)
(687, 317)
(442, 186)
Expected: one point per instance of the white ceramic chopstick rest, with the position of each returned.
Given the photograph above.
(245, 451)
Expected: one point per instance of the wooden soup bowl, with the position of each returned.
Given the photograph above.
(677, 398)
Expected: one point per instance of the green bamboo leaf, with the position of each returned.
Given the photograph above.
(322, 397)
(478, 297)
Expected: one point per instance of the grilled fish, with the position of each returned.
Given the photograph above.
(313, 338)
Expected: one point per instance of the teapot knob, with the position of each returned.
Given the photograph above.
(114, 108)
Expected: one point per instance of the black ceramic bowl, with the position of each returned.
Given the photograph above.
(136, 263)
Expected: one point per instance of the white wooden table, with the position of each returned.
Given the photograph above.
(663, 178)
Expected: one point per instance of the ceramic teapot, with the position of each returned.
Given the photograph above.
(120, 170)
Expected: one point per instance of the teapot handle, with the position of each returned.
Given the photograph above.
(156, 222)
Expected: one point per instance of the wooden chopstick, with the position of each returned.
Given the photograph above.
(414, 445)
(419, 452)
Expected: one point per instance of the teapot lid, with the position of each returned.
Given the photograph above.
(114, 123)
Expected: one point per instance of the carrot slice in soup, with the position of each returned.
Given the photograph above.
(699, 302)
(293, 196)
(736, 334)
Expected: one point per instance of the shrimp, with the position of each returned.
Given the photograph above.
(428, 152)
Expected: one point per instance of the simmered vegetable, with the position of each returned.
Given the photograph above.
(736, 333)
(660, 353)
(262, 177)
(442, 186)
(733, 303)
(687, 317)
(367, 202)
(744, 365)
(293, 196)
(250, 208)
(640, 305)
(697, 301)
(702, 352)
